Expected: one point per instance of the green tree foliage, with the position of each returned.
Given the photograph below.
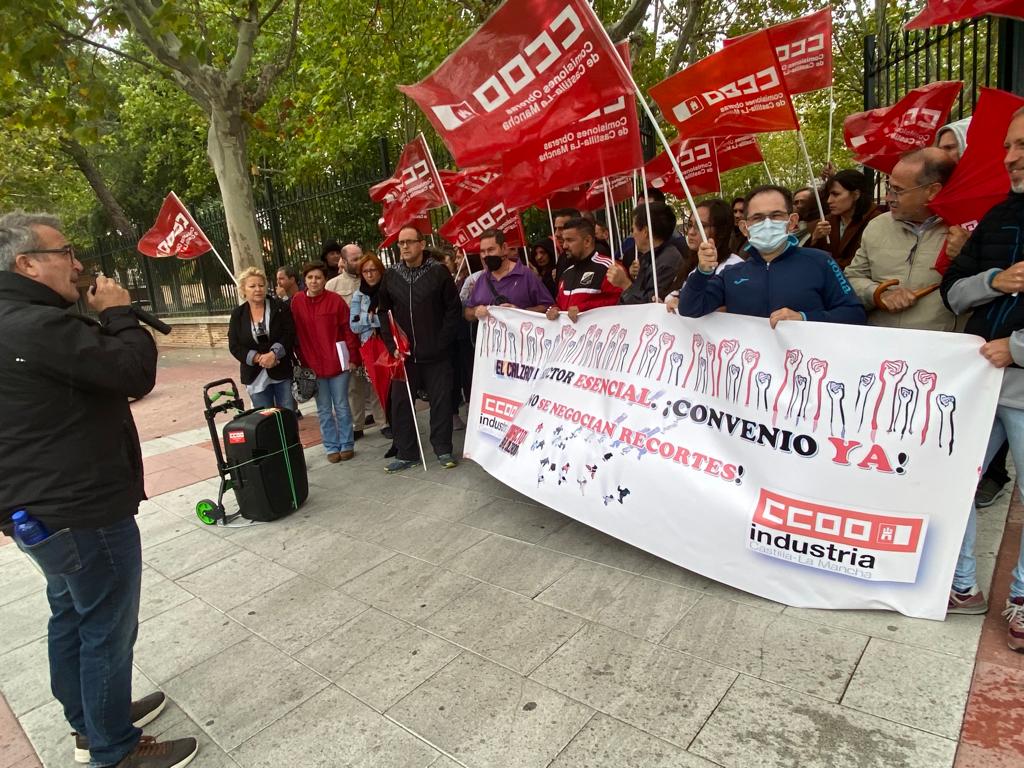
(134, 83)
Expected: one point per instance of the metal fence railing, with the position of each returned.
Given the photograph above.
(985, 51)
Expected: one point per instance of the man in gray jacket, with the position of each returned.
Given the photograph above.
(903, 245)
(988, 277)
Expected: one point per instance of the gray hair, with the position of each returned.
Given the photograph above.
(18, 234)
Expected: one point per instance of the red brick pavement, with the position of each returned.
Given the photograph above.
(176, 403)
(992, 735)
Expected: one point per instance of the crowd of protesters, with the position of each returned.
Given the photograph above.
(347, 316)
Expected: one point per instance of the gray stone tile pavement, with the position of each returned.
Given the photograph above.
(441, 619)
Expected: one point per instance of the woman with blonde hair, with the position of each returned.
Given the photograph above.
(261, 336)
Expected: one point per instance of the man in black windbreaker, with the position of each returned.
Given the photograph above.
(988, 278)
(421, 295)
(70, 457)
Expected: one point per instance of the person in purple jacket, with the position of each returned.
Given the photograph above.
(507, 282)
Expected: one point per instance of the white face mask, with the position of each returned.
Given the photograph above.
(768, 235)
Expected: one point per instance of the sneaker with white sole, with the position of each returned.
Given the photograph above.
(143, 712)
(1014, 613)
(150, 753)
(972, 603)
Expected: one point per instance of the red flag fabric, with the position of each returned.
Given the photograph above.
(396, 365)
(175, 233)
(380, 375)
(411, 190)
(421, 222)
(804, 48)
(938, 12)
(533, 65)
(698, 162)
(980, 179)
(485, 211)
(573, 197)
(736, 152)
(462, 185)
(604, 143)
(620, 188)
(879, 137)
(734, 91)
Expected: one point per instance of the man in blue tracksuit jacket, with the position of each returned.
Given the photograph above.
(779, 280)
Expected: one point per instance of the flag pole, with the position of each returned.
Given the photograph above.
(608, 214)
(416, 425)
(814, 186)
(628, 76)
(714, 148)
(212, 246)
(831, 113)
(447, 202)
(650, 234)
(437, 176)
(771, 179)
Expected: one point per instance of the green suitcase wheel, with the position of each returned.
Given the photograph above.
(209, 512)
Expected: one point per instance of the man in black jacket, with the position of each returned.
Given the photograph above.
(988, 278)
(70, 457)
(421, 295)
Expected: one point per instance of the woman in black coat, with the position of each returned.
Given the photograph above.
(261, 336)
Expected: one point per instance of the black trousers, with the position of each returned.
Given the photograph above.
(997, 467)
(436, 379)
(463, 354)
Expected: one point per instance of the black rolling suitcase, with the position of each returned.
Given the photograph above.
(261, 460)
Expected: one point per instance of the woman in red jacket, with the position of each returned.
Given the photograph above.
(325, 343)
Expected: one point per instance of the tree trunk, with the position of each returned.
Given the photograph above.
(229, 157)
(89, 169)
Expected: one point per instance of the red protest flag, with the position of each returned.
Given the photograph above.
(463, 185)
(697, 160)
(734, 91)
(412, 189)
(879, 137)
(604, 143)
(485, 211)
(421, 222)
(533, 65)
(736, 152)
(938, 12)
(804, 48)
(980, 179)
(619, 187)
(175, 233)
(572, 197)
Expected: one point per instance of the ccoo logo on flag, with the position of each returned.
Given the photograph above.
(454, 115)
(687, 108)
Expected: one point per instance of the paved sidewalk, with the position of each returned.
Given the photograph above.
(442, 619)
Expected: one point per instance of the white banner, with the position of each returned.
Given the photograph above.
(819, 465)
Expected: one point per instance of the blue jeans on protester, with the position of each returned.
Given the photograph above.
(278, 393)
(334, 413)
(1009, 425)
(93, 582)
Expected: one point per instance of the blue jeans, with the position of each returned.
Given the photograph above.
(279, 393)
(93, 581)
(1009, 425)
(334, 413)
